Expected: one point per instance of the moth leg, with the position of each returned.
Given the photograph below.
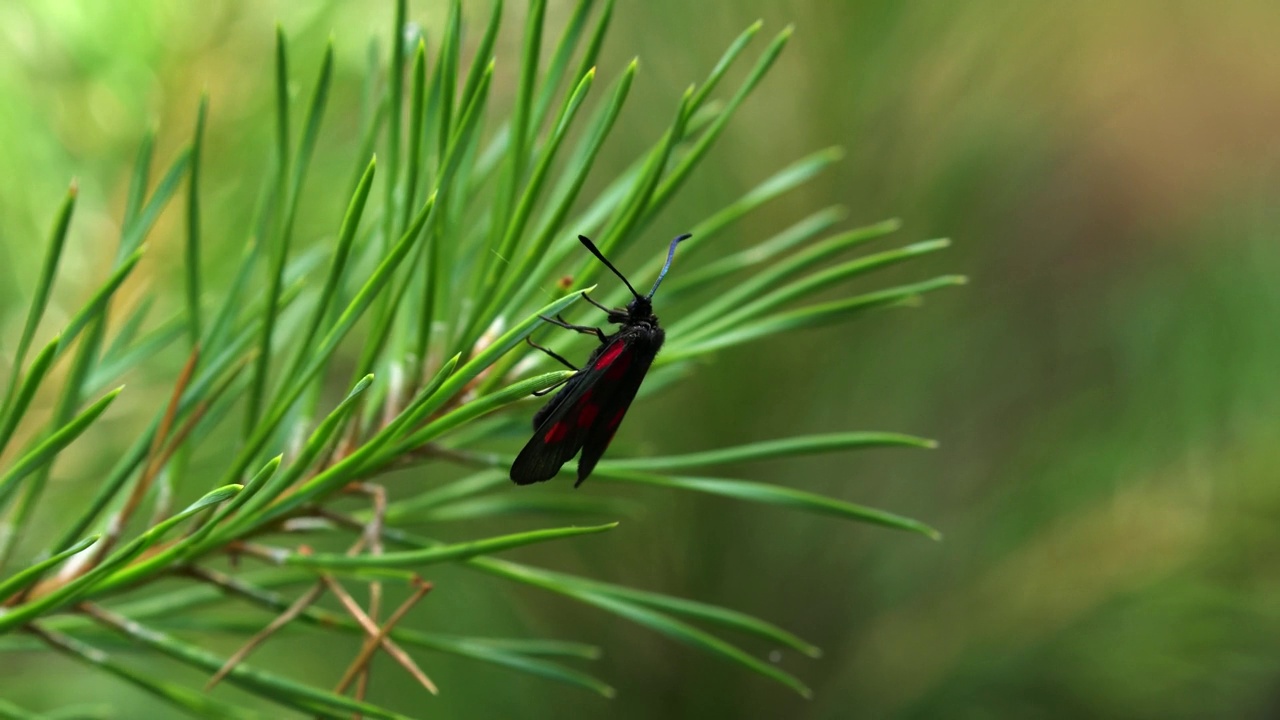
(552, 353)
(547, 391)
(589, 299)
(584, 329)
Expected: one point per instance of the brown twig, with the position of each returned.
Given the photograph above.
(371, 628)
(166, 423)
(360, 664)
(115, 528)
(299, 606)
(290, 613)
(373, 537)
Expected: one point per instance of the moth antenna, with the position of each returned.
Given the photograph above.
(596, 251)
(671, 253)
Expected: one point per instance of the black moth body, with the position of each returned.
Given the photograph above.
(586, 412)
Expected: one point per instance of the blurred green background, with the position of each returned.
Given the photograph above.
(1105, 390)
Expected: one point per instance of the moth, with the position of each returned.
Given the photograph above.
(586, 412)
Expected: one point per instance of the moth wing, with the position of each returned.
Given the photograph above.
(614, 409)
(562, 425)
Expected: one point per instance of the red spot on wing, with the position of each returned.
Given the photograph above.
(610, 354)
(618, 368)
(614, 361)
(556, 433)
(587, 414)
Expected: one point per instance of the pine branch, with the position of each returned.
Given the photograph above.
(428, 303)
